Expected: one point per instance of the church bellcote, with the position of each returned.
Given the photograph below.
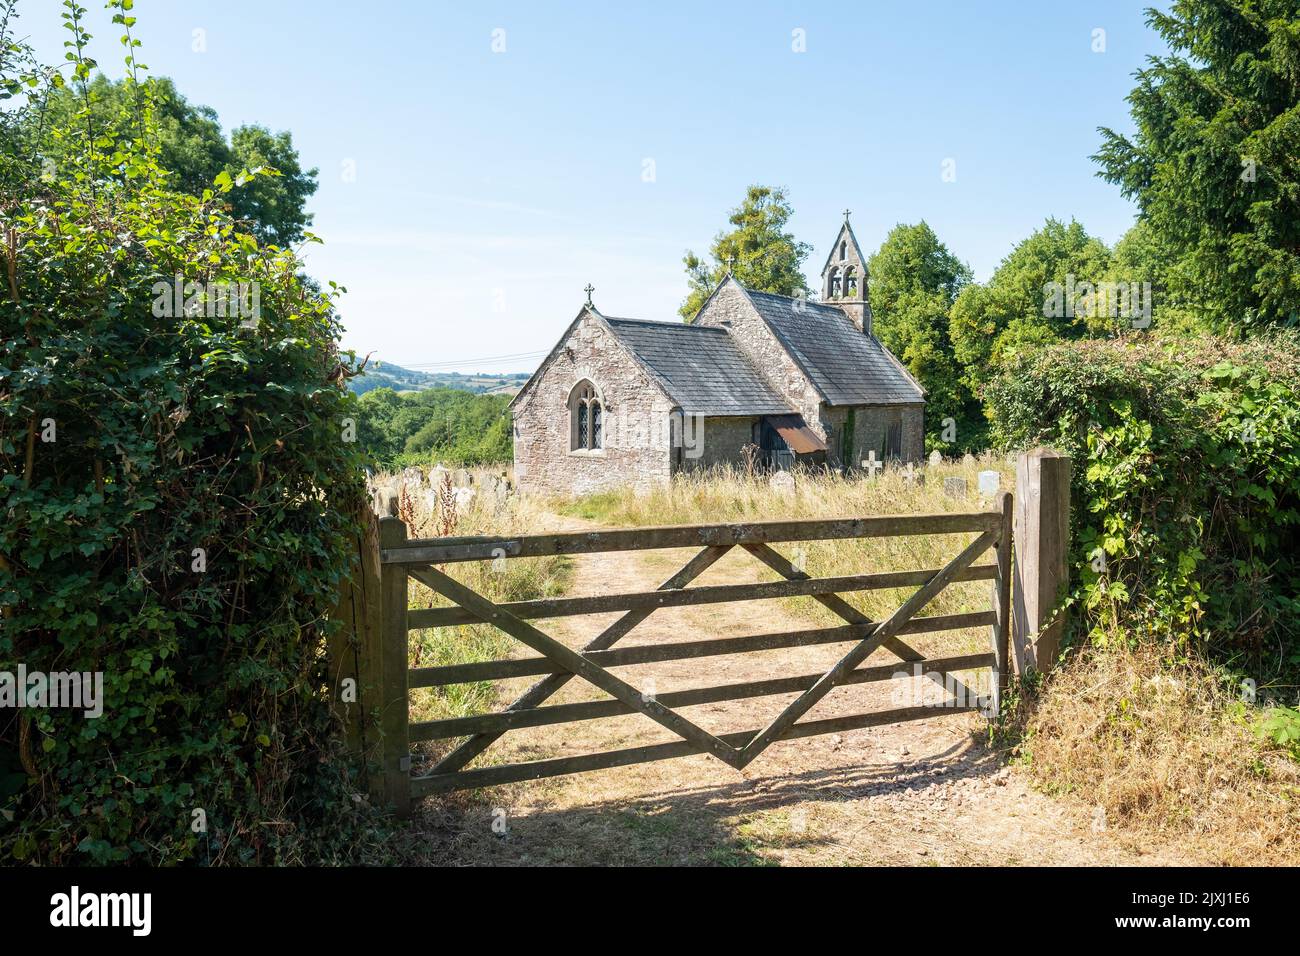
(844, 278)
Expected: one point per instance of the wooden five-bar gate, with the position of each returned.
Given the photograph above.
(379, 662)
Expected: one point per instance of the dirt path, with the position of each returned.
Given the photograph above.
(926, 792)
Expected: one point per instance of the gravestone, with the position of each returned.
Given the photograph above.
(494, 488)
(936, 459)
(913, 477)
(989, 483)
(782, 483)
(954, 487)
(385, 502)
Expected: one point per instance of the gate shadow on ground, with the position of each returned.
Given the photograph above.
(731, 822)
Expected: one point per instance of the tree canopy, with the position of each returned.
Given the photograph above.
(1215, 162)
(438, 424)
(758, 249)
(992, 322)
(193, 149)
(914, 280)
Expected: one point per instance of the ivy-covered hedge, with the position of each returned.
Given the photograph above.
(1186, 487)
(176, 486)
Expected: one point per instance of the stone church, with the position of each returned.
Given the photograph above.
(768, 378)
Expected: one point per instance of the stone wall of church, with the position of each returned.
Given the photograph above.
(871, 423)
(834, 421)
(635, 419)
(719, 442)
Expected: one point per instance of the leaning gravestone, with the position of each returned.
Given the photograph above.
(989, 483)
(936, 459)
(782, 483)
(954, 487)
(495, 489)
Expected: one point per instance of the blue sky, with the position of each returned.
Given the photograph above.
(467, 196)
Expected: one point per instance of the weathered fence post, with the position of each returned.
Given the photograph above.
(1002, 598)
(394, 701)
(356, 677)
(1042, 533)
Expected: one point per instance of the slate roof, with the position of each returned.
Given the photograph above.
(701, 367)
(847, 366)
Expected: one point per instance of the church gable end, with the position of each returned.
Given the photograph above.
(590, 417)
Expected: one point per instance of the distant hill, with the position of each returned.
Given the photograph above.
(381, 374)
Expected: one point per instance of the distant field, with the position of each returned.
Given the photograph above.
(380, 374)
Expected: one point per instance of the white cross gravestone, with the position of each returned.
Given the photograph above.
(954, 487)
(989, 483)
(913, 477)
(873, 467)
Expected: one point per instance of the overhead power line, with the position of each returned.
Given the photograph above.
(450, 363)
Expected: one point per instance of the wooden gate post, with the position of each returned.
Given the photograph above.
(356, 677)
(1042, 533)
(1002, 601)
(394, 701)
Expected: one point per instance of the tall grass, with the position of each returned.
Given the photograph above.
(1165, 746)
(729, 495)
(431, 512)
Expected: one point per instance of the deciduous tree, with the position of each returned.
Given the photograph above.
(758, 250)
(1214, 164)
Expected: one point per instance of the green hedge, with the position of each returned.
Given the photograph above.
(183, 530)
(1186, 486)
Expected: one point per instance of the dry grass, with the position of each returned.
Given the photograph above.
(728, 495)
(433, 512)
(1165, 748)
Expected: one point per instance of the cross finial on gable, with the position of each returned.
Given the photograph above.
(846, 214)
(730, 260)
(589, 290)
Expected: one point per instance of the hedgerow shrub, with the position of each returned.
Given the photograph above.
(1186, 487)
(176, 490)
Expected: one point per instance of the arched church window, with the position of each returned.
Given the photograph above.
(850, 281)
(844, 251)
(835, 283)
(586, 418)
